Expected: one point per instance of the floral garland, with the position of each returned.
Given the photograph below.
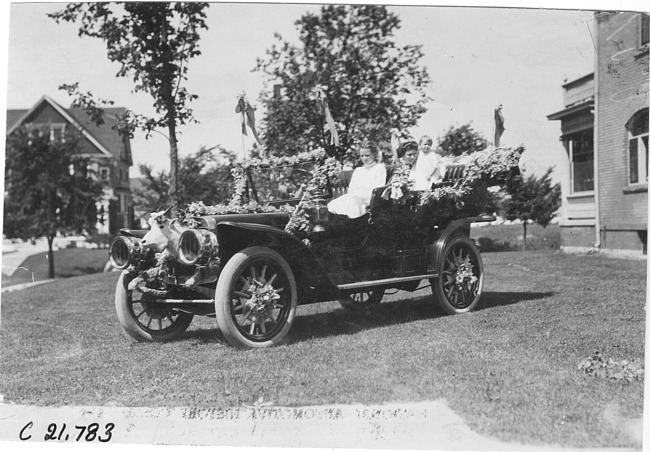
(494, 165)
(326, 173)
(303, 157)
(491, 165)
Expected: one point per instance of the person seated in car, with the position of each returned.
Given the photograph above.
(364, 179)
(407, 154)
(430, 166)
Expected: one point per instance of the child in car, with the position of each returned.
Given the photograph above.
(429, 167)
(364, 179)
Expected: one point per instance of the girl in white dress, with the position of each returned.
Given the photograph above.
(364, 179)
(429, 167)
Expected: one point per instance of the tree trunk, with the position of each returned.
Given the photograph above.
(525, 230)
(50, 256)
(173, 167)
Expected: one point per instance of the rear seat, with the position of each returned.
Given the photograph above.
(341, 187)
(453, 174)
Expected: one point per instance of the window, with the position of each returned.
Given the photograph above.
(103, 173)
(644, 33)
(581, 156)
(637, 128)
(57, 132)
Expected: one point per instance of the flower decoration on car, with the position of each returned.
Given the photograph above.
(400, 185)
(464, 273)
(237, 204)
(491, 165)
(325, 174)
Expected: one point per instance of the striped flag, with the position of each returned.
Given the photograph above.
(498, 125)
(247, 117)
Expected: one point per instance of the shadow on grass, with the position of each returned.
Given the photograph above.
(339, 321)
(204, 336)
(77, 271)
(343, 322)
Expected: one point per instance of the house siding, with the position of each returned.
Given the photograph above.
(577, 237)
(622, 90)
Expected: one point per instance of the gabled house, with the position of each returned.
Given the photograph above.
(604, 130)
(109, 152)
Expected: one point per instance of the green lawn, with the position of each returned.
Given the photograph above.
(67, 262)
(509, 369)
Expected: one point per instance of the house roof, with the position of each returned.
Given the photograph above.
(107, 140)
(105, 133)
(13, 116)
(578, 80)
(579, 108)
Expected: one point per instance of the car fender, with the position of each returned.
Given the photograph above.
(308, 271)
(456, 227)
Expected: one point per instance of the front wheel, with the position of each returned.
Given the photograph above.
(459, 284)
(144, 319)
(256, 298)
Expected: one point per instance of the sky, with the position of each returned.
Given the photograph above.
(477, 58)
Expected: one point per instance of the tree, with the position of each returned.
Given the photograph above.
(532, 199)
(460, 140)
(370, 84)
(49, 188)
(152, 42)
(202, 176)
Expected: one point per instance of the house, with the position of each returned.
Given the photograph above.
(604, 131)
(109, 152)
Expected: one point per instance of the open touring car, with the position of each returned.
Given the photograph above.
(275, 246)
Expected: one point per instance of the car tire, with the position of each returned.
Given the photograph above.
(459, 284)
(150, 321)
(256, 298)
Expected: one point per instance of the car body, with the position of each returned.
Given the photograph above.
(251, 264)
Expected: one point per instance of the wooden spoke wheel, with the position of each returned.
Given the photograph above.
(256, 298)
(143, 318)
(458, 287)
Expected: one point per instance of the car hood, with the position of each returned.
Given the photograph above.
(275, 219)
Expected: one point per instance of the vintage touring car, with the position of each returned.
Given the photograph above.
(275, 246)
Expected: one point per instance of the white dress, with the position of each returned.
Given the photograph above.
(355, 202)
(429, 169)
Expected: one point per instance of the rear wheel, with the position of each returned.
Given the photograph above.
(256, 298)
(143, 318)
(363, 301)
(458, 287)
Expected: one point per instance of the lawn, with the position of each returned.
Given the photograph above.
(509, 369)
(68, 262)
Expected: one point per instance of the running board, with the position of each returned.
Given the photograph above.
(384, 282)
(179, 301)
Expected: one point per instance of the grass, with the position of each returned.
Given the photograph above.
(68, 262)
(509, 369)
(509, 237)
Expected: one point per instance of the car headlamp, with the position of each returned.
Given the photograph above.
(197, 246)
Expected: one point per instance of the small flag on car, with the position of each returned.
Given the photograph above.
(499, 127)
(318, 94)
(247, 116)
